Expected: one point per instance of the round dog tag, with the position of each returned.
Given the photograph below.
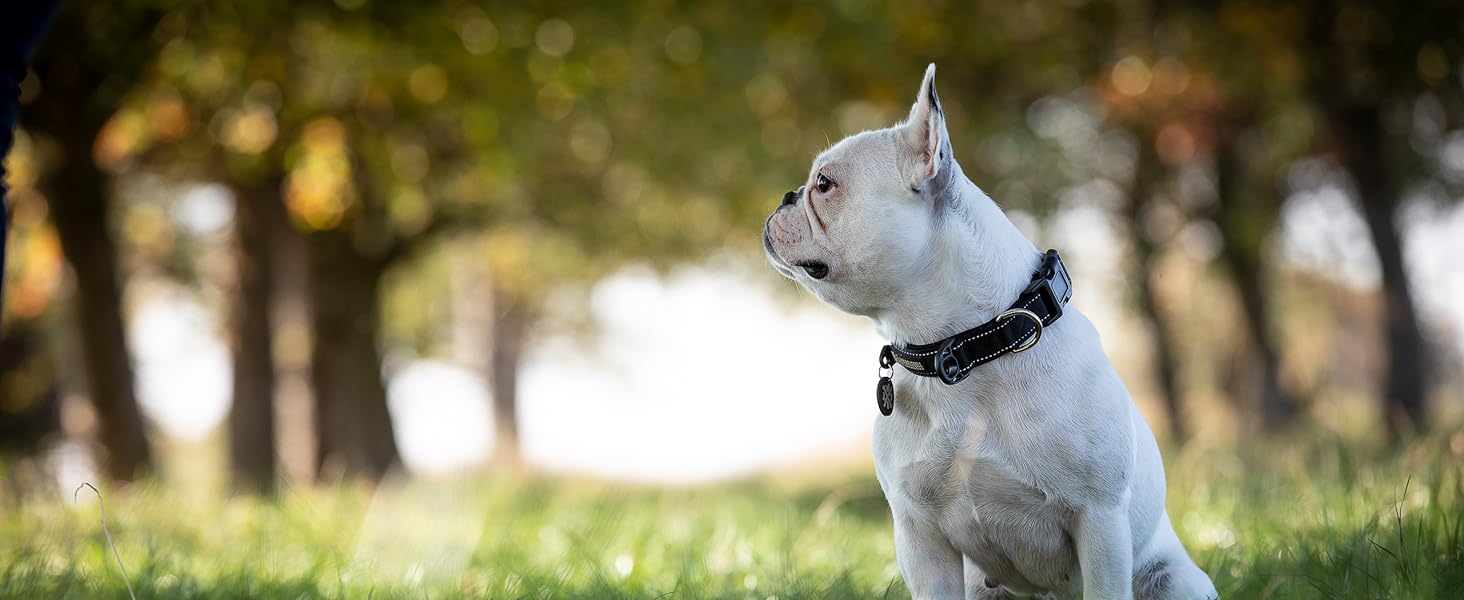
(884, 395)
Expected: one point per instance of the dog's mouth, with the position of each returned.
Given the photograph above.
(815, 269)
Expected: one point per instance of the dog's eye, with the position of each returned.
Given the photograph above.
(823, 184)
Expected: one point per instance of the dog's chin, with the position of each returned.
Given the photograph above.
(828, 295)
(845, 303)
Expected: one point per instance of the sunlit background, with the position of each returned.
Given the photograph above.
(265, 246)
(713, 370)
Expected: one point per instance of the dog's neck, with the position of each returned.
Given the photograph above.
(977, 265)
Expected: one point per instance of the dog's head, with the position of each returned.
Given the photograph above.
(862, 225)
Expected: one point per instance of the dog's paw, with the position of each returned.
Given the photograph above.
(1173, 580)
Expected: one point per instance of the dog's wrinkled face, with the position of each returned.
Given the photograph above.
(861, 226)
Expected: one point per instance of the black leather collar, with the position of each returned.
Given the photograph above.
(1014, 330)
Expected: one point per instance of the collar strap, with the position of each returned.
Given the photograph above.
(1013, 331)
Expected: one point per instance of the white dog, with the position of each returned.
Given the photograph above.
(1014, 460)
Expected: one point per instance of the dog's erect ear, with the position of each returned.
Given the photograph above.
(925, 133)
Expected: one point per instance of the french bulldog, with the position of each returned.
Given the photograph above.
(1034, 475)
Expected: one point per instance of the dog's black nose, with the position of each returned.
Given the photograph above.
(791, 198)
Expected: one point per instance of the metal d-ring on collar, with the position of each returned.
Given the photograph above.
(1015, 330)
(1031, 316)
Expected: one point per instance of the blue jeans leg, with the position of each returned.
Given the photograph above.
(24, 22)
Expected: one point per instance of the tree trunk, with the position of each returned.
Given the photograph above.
(82, 84)
(258, 212)
(1359, 131)
(79, 206)
(1146, 177)
(511, 322)
(1165, 366)
(1244, 222)
(1278, 408)
(352, 422)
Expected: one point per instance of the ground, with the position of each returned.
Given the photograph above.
(1324, 521)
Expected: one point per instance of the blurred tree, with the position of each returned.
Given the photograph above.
(512, 318)
(94, 56)
(1144, 196)
(1228, 68)
(208, 104)
(321, 118)
(259, 221)
(1247, 206)
(1360, 138)
(1362, 58)
(1144, 99)
(352, 424)
(379, 169)
(245, 71)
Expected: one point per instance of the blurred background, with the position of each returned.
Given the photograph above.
(308, 240)
(266, 256)
(262, 242)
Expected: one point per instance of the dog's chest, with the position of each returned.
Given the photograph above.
(955, 475)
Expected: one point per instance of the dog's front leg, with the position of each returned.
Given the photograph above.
(1105, 553)
(932, 568)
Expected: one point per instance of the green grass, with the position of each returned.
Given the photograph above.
(1317, 522)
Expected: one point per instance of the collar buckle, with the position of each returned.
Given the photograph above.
(1052, 285)
(947, 365)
